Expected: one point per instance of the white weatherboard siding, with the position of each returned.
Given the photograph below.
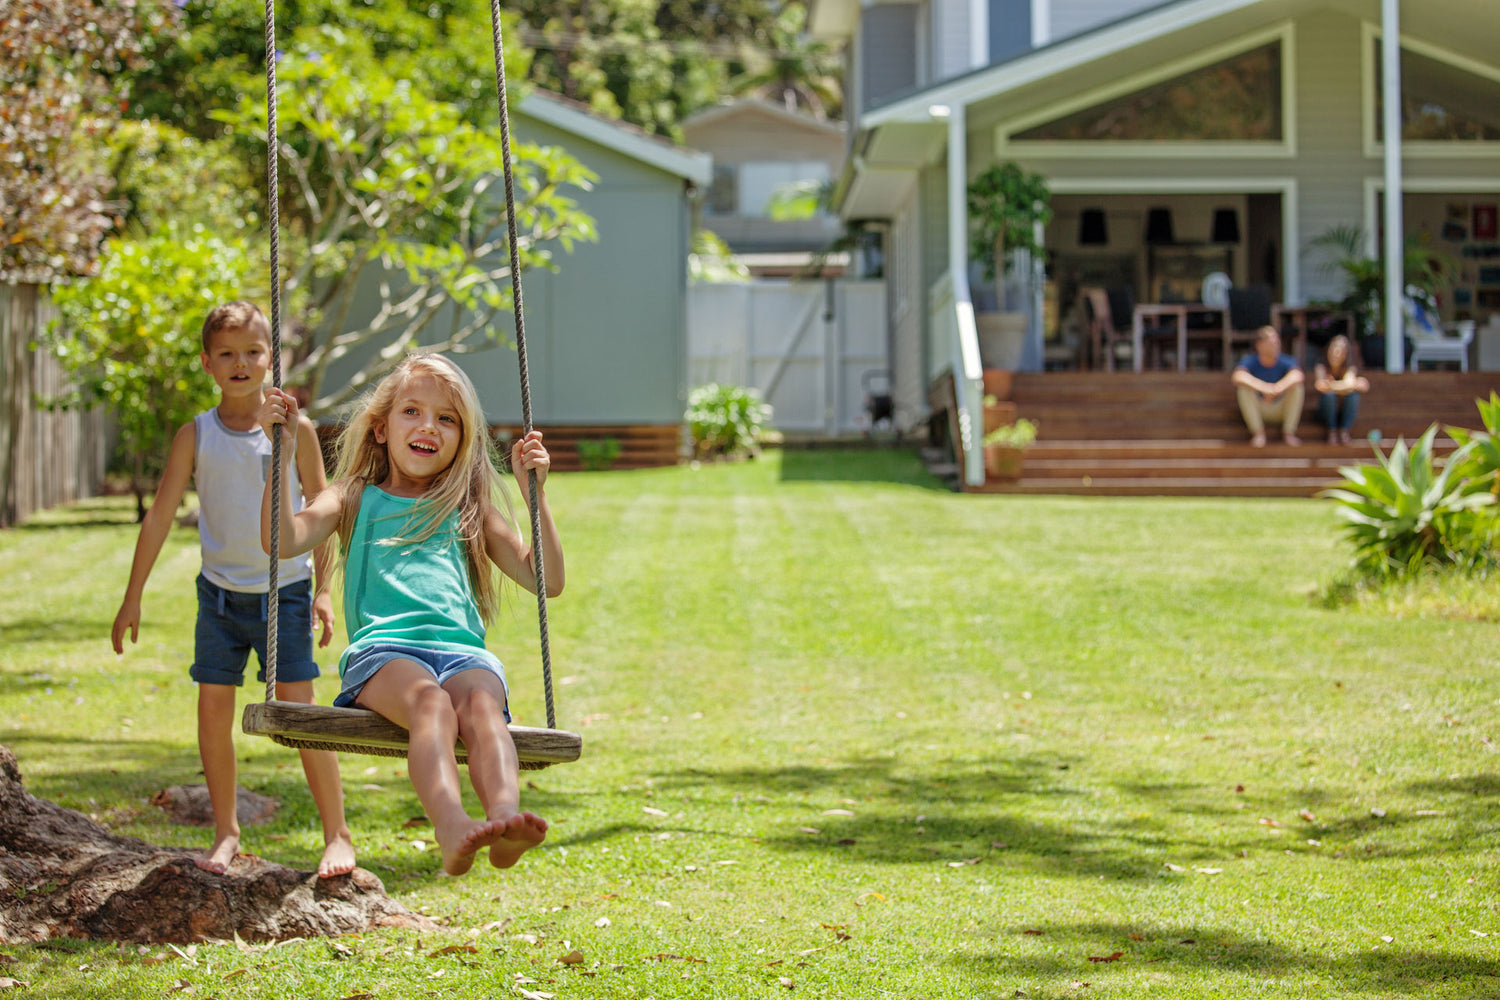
(888, 52)
(1070, 17)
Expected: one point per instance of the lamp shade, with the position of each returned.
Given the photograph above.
(1159, 225)
(1092, 228)
(1226, 226)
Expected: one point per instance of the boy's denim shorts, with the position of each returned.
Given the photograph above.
(232, 622)
(442, 664)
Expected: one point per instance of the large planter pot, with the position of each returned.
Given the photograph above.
(1002, 338)
(1003, 462)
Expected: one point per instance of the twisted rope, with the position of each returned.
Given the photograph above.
(515, 285)
(273, 597)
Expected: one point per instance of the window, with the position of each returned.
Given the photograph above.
(1235, 100)
(723, 191)
(1440, 102)
(759, 181)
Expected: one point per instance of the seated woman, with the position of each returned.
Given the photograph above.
(1339, 384)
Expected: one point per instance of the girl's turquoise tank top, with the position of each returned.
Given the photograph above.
(412, 594)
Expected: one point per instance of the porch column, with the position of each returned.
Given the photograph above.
(968, 374)
(1395, 279)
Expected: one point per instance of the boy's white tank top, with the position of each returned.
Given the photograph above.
(230, 470)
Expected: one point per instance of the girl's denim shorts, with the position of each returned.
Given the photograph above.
(440, 663)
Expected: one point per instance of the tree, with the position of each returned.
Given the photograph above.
(128, 338)
(795, 71)
(60, 88)
(381, 182)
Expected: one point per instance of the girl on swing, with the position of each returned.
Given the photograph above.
(414, 504)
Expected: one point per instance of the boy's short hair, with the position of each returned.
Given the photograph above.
(1266, 333)
(235, 316)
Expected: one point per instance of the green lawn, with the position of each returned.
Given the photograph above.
(847, 734)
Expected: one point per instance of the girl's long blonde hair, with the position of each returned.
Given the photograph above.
(470, 486)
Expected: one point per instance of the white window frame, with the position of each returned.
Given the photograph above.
(1374, 186)
(1291, 239)
(1286, 147)
(1457, 148)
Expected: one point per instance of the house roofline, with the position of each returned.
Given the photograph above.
(621, 137)
(1051, 60)
(728, 108)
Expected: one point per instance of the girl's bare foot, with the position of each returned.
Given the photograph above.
(460, 847)
(219, 857)
(522, 832)
(338, 856)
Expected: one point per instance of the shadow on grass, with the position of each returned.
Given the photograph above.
(876, 810)
(23, 630)
(1183, 948)
(858, 465)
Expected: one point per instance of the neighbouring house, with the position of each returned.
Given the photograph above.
(1182, 141)
(606, 332)
(759, 148)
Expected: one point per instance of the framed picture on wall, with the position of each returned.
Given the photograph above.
(1486, 221)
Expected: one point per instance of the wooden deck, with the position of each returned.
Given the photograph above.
(1180, 433)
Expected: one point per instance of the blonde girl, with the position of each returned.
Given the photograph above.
(414, 503)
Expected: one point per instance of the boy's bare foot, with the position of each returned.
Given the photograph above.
(219, 857)
(338, 857)
(459, 849)
(1291, 439)
(1333, 437)
(1258, 441)
(522, 832)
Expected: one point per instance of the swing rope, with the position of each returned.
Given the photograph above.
(551, 746)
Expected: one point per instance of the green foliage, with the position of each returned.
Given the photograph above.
(164, 176)
(129, 337)
(713, 262)
(726, 420)
(1424, 269)
(376, 176)
(1407, 513)
(598, 454)
(442, 47)
(1021, 434)
(1482, 457)
(1005, 204)
(795, 70)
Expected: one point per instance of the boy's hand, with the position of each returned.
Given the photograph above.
(279, 408)
(529, 453)
(128, 617)
(323, 615)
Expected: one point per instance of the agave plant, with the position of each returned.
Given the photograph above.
(1408, 512)
(1484, 446)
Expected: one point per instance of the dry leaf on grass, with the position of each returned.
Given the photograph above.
(965, 861)
(838, 812)
(786, 981)
(455, 949)
(360, 996)
(574, 957)
(1107, 958)
(1307, 814)
(7, 983)
(653, 811)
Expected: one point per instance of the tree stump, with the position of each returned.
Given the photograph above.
(61, 874)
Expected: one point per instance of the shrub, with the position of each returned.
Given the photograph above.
(1484, 446)
(1021, 434)
(726, 419)
(598, 454)
(1406, 514)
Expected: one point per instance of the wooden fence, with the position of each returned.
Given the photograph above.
(46, 458)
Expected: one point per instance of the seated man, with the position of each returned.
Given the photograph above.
(1269, 386)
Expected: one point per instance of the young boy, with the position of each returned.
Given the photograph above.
(228, 456)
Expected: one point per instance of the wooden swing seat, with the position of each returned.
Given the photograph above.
(357, 730)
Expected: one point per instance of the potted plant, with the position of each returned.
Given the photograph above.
(1426, 270)
(997, 412)
(1006, 206)
(1005, 449)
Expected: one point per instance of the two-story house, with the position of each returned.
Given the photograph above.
(1181, 140)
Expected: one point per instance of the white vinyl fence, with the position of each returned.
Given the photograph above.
(813, 348)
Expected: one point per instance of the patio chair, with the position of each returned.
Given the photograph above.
(1106, 337)
(1249, 310)
(1439, 343)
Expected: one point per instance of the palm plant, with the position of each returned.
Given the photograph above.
(1423, 267)
(794, 70)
